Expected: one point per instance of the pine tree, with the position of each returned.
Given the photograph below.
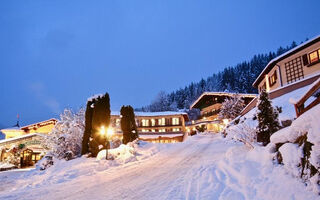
(267, 118)
(100, 118)
(88, 128)
(128, 124)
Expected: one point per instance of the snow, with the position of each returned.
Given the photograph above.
(122, 154)
(95, 97)
(291, 154)
(20, 137)
(285, 102)
(307, 124)
(6, 165)
(204, 167)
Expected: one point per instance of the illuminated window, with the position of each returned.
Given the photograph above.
(176, 129)
(162, 121)
(273, 78)
(117, 122)
(175, 121)
(162, 130)
(294, 70)
(314, 56)
(152, 130)
(153, 122)
(145, 122)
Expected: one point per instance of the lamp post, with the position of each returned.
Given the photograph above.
(108, 134)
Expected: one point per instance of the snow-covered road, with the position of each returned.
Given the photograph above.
(203, 167)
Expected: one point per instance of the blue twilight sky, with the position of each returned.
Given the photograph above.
(55, 54)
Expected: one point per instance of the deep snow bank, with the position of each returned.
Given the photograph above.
(299, 147)
(64, 171)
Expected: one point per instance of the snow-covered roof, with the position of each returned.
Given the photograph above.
(34, 124)
(152, 114)
(271, 64)
(221, 94)
(11, 128)
(20, 137)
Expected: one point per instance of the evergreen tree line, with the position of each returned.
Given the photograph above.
(238, 79)
(97, 121)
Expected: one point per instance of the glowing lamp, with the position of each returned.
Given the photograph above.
(110, 132)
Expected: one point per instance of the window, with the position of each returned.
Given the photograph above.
(145, 122)
(153, 122)
(175, 121)
(152, 130)
(117, 122)
(176, 129)
(294, 70)
(314, 56)
(162, 121)
(162, 130)
(273, 78)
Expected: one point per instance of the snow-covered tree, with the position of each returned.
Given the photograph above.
(231, 107)
(65, 139)
(100, 118)
(128, 124)
(267, 118)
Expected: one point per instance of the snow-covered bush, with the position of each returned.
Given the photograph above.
(243, 132)
(65, 139)
(14, 156)
(123, 154)
(45, 162)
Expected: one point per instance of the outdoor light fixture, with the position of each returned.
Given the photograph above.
(108, 133)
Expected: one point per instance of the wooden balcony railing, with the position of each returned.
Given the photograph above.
(313, 91)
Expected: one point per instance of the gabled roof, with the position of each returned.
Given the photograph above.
(274, 61)
(226, 94)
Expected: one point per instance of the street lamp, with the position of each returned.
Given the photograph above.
(108, 134)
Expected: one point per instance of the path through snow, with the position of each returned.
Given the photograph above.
(203, 167)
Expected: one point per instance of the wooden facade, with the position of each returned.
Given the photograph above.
(290, 71)
(209, 104)
(302, 62)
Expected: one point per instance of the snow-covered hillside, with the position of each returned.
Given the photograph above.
(203, 167)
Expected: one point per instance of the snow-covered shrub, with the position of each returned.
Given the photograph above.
(13, 156)
(123, 154)
(45, 162)
(242, 132)
(65, 139)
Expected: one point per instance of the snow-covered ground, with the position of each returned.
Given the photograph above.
(203, 167)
